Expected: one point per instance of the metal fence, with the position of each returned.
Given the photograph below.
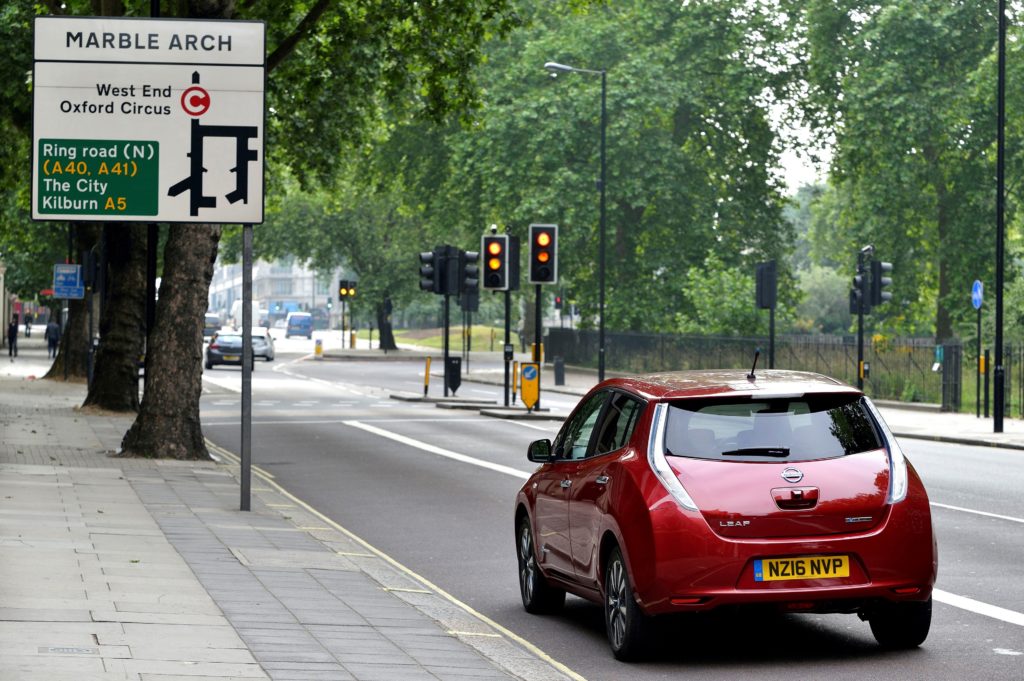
(911, 370)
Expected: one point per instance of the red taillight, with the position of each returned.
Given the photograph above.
(688, 601)
(800, 605)
(907, 590)
(214, 346)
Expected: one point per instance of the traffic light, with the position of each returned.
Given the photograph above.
(469, 270)
(558, 302)
(543, 254)
(860, 294)
(346, 289)
(879, 282)
(495, 252)
(430, 271)
(767, 285)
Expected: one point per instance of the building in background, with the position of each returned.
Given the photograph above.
(278, 288)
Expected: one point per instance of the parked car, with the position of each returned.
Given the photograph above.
(690, 491)
(299, 324)
(211, 324)
(225, 348)
(263, 344)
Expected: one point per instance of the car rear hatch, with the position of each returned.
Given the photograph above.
(775, 467)
(753, 500)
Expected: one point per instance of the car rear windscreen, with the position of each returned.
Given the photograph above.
(822, 426)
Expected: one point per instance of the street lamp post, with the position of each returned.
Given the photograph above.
(555, 68)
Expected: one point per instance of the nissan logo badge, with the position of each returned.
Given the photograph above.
(792, 475)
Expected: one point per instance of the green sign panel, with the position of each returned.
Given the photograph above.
(98, 177)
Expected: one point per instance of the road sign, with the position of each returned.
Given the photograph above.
(529, 378)
(67, 282)
(148, 118)
(977, 294)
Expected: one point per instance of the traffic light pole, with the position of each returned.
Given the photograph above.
(536, 344)
(342, 323)
(862, 294)
(446, 303)
(508, 340)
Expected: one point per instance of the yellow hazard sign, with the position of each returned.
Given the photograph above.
(529, 382)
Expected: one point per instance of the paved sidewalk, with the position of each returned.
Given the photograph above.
(114, 568)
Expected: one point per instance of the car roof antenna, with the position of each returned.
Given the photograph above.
(757, 353)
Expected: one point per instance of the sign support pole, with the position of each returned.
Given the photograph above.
(977, 376)
(246, 472)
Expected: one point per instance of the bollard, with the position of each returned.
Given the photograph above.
(352, 339)
(426, 378)
(515, 379)
(319, 351)
(559, 363)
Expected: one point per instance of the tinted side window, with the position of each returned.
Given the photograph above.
(617, 425)
(576, 435)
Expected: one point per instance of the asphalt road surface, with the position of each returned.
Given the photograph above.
(434, 489)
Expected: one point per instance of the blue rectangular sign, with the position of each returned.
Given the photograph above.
(67, 282)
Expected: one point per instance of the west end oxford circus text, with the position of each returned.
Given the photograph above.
(188, 42)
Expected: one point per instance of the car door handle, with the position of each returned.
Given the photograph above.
(602, 480)
(566, 484)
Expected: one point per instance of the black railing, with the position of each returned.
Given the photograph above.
(900, 369)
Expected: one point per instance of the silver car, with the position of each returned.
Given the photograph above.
(262, 344)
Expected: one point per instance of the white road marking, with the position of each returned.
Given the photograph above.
(531, 425)
(497, 467)
(977, 607)
(313, 422)
(984, 513)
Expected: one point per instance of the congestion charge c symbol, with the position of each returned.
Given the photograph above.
(195, 101)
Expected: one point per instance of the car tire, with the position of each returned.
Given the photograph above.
(626, 624)
(539, 597)
(898, 626)
(209, 365)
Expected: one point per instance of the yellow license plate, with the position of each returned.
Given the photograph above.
(230, 358)
(803, 567)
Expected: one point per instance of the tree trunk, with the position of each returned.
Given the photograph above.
(73, 351)
(387, 336)
(168, 422)
(943, 318)
(116, 374)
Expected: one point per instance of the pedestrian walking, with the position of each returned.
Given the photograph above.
(28, 326)
(52, 336)
(12, 338)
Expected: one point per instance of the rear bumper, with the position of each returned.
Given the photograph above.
(693, 569)
(215, 360)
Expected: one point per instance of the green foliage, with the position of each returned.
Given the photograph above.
(722, 300)
(898, 85)
(690, 152)
(825, 305)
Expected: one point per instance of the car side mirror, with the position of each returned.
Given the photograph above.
(540, 451)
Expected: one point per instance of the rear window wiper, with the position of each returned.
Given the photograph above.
(779, 452)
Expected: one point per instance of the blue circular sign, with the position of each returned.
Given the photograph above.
(529, 373)
(977, 294)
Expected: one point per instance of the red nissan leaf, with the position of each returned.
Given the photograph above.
(688, 491)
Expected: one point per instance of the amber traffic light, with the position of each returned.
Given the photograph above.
(543, 254)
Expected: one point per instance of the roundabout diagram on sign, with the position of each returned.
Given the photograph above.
(195, 101)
